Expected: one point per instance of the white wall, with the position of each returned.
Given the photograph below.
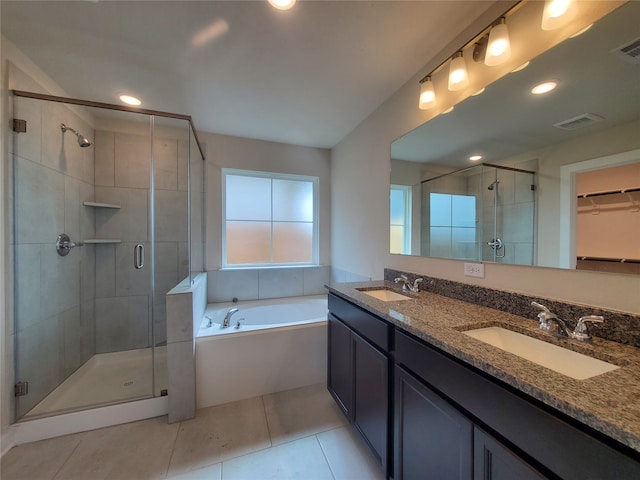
(225, 151)
(360, 203)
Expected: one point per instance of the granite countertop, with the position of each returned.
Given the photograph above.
(608, 403)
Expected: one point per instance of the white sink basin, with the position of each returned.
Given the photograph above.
(561, 360)
(385, 295)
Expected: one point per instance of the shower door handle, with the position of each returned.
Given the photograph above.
(138, 256)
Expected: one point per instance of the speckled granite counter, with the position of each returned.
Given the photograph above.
(608, 403)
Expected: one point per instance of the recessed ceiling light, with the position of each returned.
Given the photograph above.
(282, 4)
(129, 100)
(475, 158)
(448, 110)
(544, 87)
(580, 32)
(521, 67)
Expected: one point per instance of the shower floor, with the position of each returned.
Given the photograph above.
(107, 378)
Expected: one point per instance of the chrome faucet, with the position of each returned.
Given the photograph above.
(407, 286)
(227, 317)
(550, 322)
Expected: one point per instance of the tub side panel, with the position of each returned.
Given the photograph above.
(235, 367)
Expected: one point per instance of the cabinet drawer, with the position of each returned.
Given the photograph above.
(565, 450)
(365, 324)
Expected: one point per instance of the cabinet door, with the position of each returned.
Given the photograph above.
(432, 439)
(371, 401)
(340, 365)
(493, 461)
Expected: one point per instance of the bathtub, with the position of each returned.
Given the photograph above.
(279, 344)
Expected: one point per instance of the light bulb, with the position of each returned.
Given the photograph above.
(458, 76)
(499, 46)
(282, 4)
(558, 13)
(427, 95)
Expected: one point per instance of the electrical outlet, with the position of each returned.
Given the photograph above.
(474, 270)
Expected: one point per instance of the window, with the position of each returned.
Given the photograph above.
(400, 215)
(269, 219)
(452, 226)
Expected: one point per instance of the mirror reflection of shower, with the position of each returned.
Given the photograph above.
(82, 140)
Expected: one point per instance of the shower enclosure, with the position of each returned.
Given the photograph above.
(482, 213)
(107, 218)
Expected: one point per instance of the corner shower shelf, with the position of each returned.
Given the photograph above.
(102, 240)
(101, 205)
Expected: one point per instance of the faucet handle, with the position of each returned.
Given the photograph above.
(581, 331)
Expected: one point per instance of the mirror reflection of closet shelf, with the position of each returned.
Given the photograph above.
(612, 199)
(101, 205)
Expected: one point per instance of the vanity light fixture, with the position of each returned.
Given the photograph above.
(478, 92)
(558, 13)
(282, 4)
(458, 76)
(129, 100)
(427, 95)
(499, 46)
(544, 87)
(448, 110)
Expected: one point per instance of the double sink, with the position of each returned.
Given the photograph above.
(567, 362)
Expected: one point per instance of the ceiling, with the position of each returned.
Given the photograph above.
(307, 76)
(506, 120)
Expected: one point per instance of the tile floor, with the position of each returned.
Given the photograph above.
(297, 434)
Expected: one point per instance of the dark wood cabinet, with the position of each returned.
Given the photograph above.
(432, 439)
(358, 373)
(371, 397)
(494, 461)
(339, 371)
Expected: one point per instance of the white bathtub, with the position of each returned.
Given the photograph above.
(280, 344)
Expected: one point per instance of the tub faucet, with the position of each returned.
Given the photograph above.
(406, 285)
(227, 317)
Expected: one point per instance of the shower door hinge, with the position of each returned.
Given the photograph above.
(19, 126)
(21, 389)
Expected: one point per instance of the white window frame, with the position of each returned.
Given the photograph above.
(273, 176)
(406, 239)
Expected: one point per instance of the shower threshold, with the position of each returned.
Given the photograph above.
(107, 378)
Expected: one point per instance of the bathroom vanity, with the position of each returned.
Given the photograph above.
(430, 401)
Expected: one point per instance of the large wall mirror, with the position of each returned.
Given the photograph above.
(558, 184)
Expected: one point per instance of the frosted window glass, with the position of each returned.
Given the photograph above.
(292, 201)
(248, 242)
(463, 211)
(292, 242)
(440, 245)
(397, 207)
(463, 242)
(440, 210)
(397, 239)
(248, 198)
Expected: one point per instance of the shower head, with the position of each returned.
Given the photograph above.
(493, 185)
(82, 140)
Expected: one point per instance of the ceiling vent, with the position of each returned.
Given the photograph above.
(580, 121)
(629, 52)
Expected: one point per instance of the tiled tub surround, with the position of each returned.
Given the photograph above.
(618, 327)
(608, 403)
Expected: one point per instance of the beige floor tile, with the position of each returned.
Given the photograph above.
(38, 460)
(219, 433)
(212, 472)
(297, 460)
(347, 455)
(301, 412)
(133, 451)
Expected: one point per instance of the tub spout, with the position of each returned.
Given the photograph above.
(227, 317)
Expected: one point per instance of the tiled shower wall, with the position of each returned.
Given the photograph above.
(54, 322)
(123, 302)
